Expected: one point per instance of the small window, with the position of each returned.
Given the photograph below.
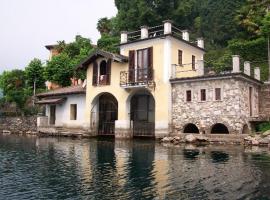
(73, 111)
(193, 62)
(188, 96)
(217, 94)
(180, 57)
(203, 94)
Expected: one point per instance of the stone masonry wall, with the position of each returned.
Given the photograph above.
(232, 111)
(18, 124)
(265, 101)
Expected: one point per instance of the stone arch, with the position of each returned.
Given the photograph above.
(191, 128)
(141, 106)
(245, 129)
(219, 128)
(95, 108)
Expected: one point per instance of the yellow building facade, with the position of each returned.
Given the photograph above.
(129, 95)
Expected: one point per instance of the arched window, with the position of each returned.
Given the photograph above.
(103, 68)
(191, 128)
(219, 129)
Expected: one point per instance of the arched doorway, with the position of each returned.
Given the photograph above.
(245, 129)
(142, 114)
(219, 129)
(107, 114)
(191, 128)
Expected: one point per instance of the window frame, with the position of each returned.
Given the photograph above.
(180, 55)
(221, 94)
(73, 112)
(200, 95)
(193, 62)
(186, 96)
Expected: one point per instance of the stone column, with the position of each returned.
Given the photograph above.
(236, 63)
(144, 32)
(185, 35)
(257, 73)
(124, 37)
(200, 43)
(247, 68)
(167, 27)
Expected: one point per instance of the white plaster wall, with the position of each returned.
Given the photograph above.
(63, 112)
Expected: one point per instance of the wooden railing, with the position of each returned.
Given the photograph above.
(137, 77)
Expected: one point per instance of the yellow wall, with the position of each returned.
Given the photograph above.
(162, 91)
(188, 51)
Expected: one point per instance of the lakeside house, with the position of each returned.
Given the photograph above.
(158, 86)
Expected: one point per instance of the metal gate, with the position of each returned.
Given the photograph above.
(142, 116)
(108, 112)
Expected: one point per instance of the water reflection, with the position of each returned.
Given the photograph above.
(49, 168)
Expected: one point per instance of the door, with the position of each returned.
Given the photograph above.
(142, 65)
(52, 114)
(108, 113)
(143, 116)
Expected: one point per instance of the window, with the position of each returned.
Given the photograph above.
(73, 111)
(203, 94)
(188, 96)
(217, 94)
(142, 58)
(193, 62)
(180, 57)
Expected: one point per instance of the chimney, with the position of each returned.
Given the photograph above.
(247, 68)
(200, 67)
(185, 35)
(167, 27)
(144, 32)
(124, 37)
(257, 73)
(200, 43)
(236, 63)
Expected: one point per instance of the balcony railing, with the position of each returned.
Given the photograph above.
(137, 77)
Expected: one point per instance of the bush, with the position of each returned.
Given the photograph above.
(264, 127)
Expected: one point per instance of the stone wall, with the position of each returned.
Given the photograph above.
(18, 124)
(265, 101)
(233, 110)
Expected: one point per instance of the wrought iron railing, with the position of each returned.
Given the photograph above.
(136, 77)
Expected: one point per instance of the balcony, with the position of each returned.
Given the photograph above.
(137, 78)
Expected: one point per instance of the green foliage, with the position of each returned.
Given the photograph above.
(265, 27)
(34, 74)
(109, 43)
(62, 67)
(14, 90)
(59, 69)
(264, 127)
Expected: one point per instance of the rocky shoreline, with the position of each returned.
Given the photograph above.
(252, 140)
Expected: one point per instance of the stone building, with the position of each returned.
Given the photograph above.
(157, 86)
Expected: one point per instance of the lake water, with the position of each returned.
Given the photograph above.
(51, 168)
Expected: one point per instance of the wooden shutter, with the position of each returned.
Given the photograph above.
(131, 66)
(180, 57)
(109, 66)
(95, 73)
(193, 62)
(150, 63)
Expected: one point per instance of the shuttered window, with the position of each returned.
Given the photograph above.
(188, 96)
(180, 57)
(203, 94)
(193, 62)
(95, 74)
(73, 111)
(218, 94)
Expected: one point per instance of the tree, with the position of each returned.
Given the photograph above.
(14, 90)
(59, 69)
(62, 67)
(104, 25)
(34, 75)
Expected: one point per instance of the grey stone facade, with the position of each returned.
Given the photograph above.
(265, 101)
(233, 110)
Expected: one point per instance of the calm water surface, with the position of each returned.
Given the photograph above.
(49, 168)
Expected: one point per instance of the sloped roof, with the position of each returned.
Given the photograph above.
(51, 101)
(100, 53)
(63, 91)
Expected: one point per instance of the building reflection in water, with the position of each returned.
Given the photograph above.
(108, 169)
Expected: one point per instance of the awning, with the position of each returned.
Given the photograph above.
(51, 101)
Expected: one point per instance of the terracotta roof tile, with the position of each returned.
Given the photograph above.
(63, 91)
